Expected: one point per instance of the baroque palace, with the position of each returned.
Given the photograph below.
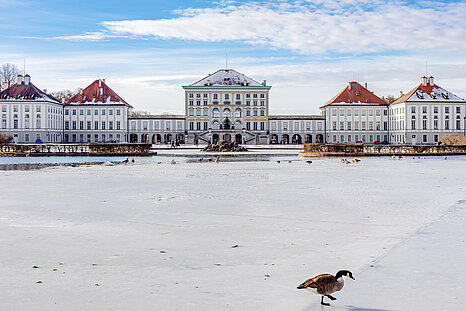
(230, 106)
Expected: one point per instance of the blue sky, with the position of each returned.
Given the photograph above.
(306, 49)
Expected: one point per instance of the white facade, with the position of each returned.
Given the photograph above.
(425, 114)
(96, 114)
(227, 105)
(30, 115)
(356, 115)
(289, 129)
(157, 129)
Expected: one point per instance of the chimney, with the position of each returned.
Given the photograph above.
(103, 80)
(101, 92)
(349, 86)
(424, 81)
(365, 85)
(27, 79)
(208, 82)
(45, 91)
(264, 83)
(401, 93)
(63, 100)
(431, 81)
(100, 83)
(80, 91)
(19, 79)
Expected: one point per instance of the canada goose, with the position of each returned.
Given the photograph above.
(200, 160)
(125, 161)
(289, 161)
(357, 160)
(172, 162)
(278, 161)
(326, 284)
(132, 160)
(309, 162)
(210, 160)
(217, 159)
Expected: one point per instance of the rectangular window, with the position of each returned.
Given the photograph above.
(377, 112)
(81, 112)
(363, 125)
(206, 126)
(447, 124)
(349, 126)
(285, 126)
(198, 126)
(248, 126)
(118, 126)
(67, 125)
(458, 109)
(308, 126)
(424, 138)
(435, 124)
(435, 109)
(262, 95)
(254, 95)
(377, 126)
(96, 112)
(356, 112)
(447, 109)
(110, 125)
(458, 125)
(348, 112)
(334, 125)
(342, 112)
(118, 112)
(81, 125)
(238, 96)
(385, 126)
(96, 125)
(342, 126)
(413, 124)
(371, 126)
(88, 125)
(88, 112)
(424, 124)
(103, 124)
(255, 124)
(334, 112)
(103, 113)
(424, 109)
(436, 138)
(413, 109)
(356, 126)
(191, 126)
(248, 95)
(74, 112)
(371, 112)
(363, 112)
(110, 112)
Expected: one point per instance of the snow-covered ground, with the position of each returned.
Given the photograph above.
(150, 236)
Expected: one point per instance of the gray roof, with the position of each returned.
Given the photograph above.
(227, 77)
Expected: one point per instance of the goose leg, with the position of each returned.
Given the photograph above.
(331, 297)
(324, 303)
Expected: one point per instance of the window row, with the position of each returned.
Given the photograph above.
(355, 111)
(81, 125)
(226, 96)
(88, 112)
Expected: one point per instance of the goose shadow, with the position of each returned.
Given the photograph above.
(349, 308)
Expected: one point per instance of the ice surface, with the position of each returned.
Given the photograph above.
(160, 237)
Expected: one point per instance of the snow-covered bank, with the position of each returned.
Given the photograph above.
(161, 236)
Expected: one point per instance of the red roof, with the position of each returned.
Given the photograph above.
(25, 92)
(356, 95)
(97, 93)
(428, 93)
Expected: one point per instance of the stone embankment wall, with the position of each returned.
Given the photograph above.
(378, 150)
(93, 149)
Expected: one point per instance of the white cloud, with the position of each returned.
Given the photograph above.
(309, 27)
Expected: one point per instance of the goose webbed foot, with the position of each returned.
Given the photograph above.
(324, 303)
(331, 297)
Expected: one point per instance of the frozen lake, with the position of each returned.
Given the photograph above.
(151, 236)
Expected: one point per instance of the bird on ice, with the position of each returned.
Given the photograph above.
(326, 284)
(309, 162)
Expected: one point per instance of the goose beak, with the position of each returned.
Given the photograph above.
(352, 278)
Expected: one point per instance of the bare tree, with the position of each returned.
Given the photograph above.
(63, 95)
(140, 113)
(8, 74)
(389, 99)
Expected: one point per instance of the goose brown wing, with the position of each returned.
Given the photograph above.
(318, 281)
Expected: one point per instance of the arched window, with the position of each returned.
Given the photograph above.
(206, 112)
(238, 113)
(226, 113)
(191, 112)
(198, 111)
(216, 112)
(215, 125)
